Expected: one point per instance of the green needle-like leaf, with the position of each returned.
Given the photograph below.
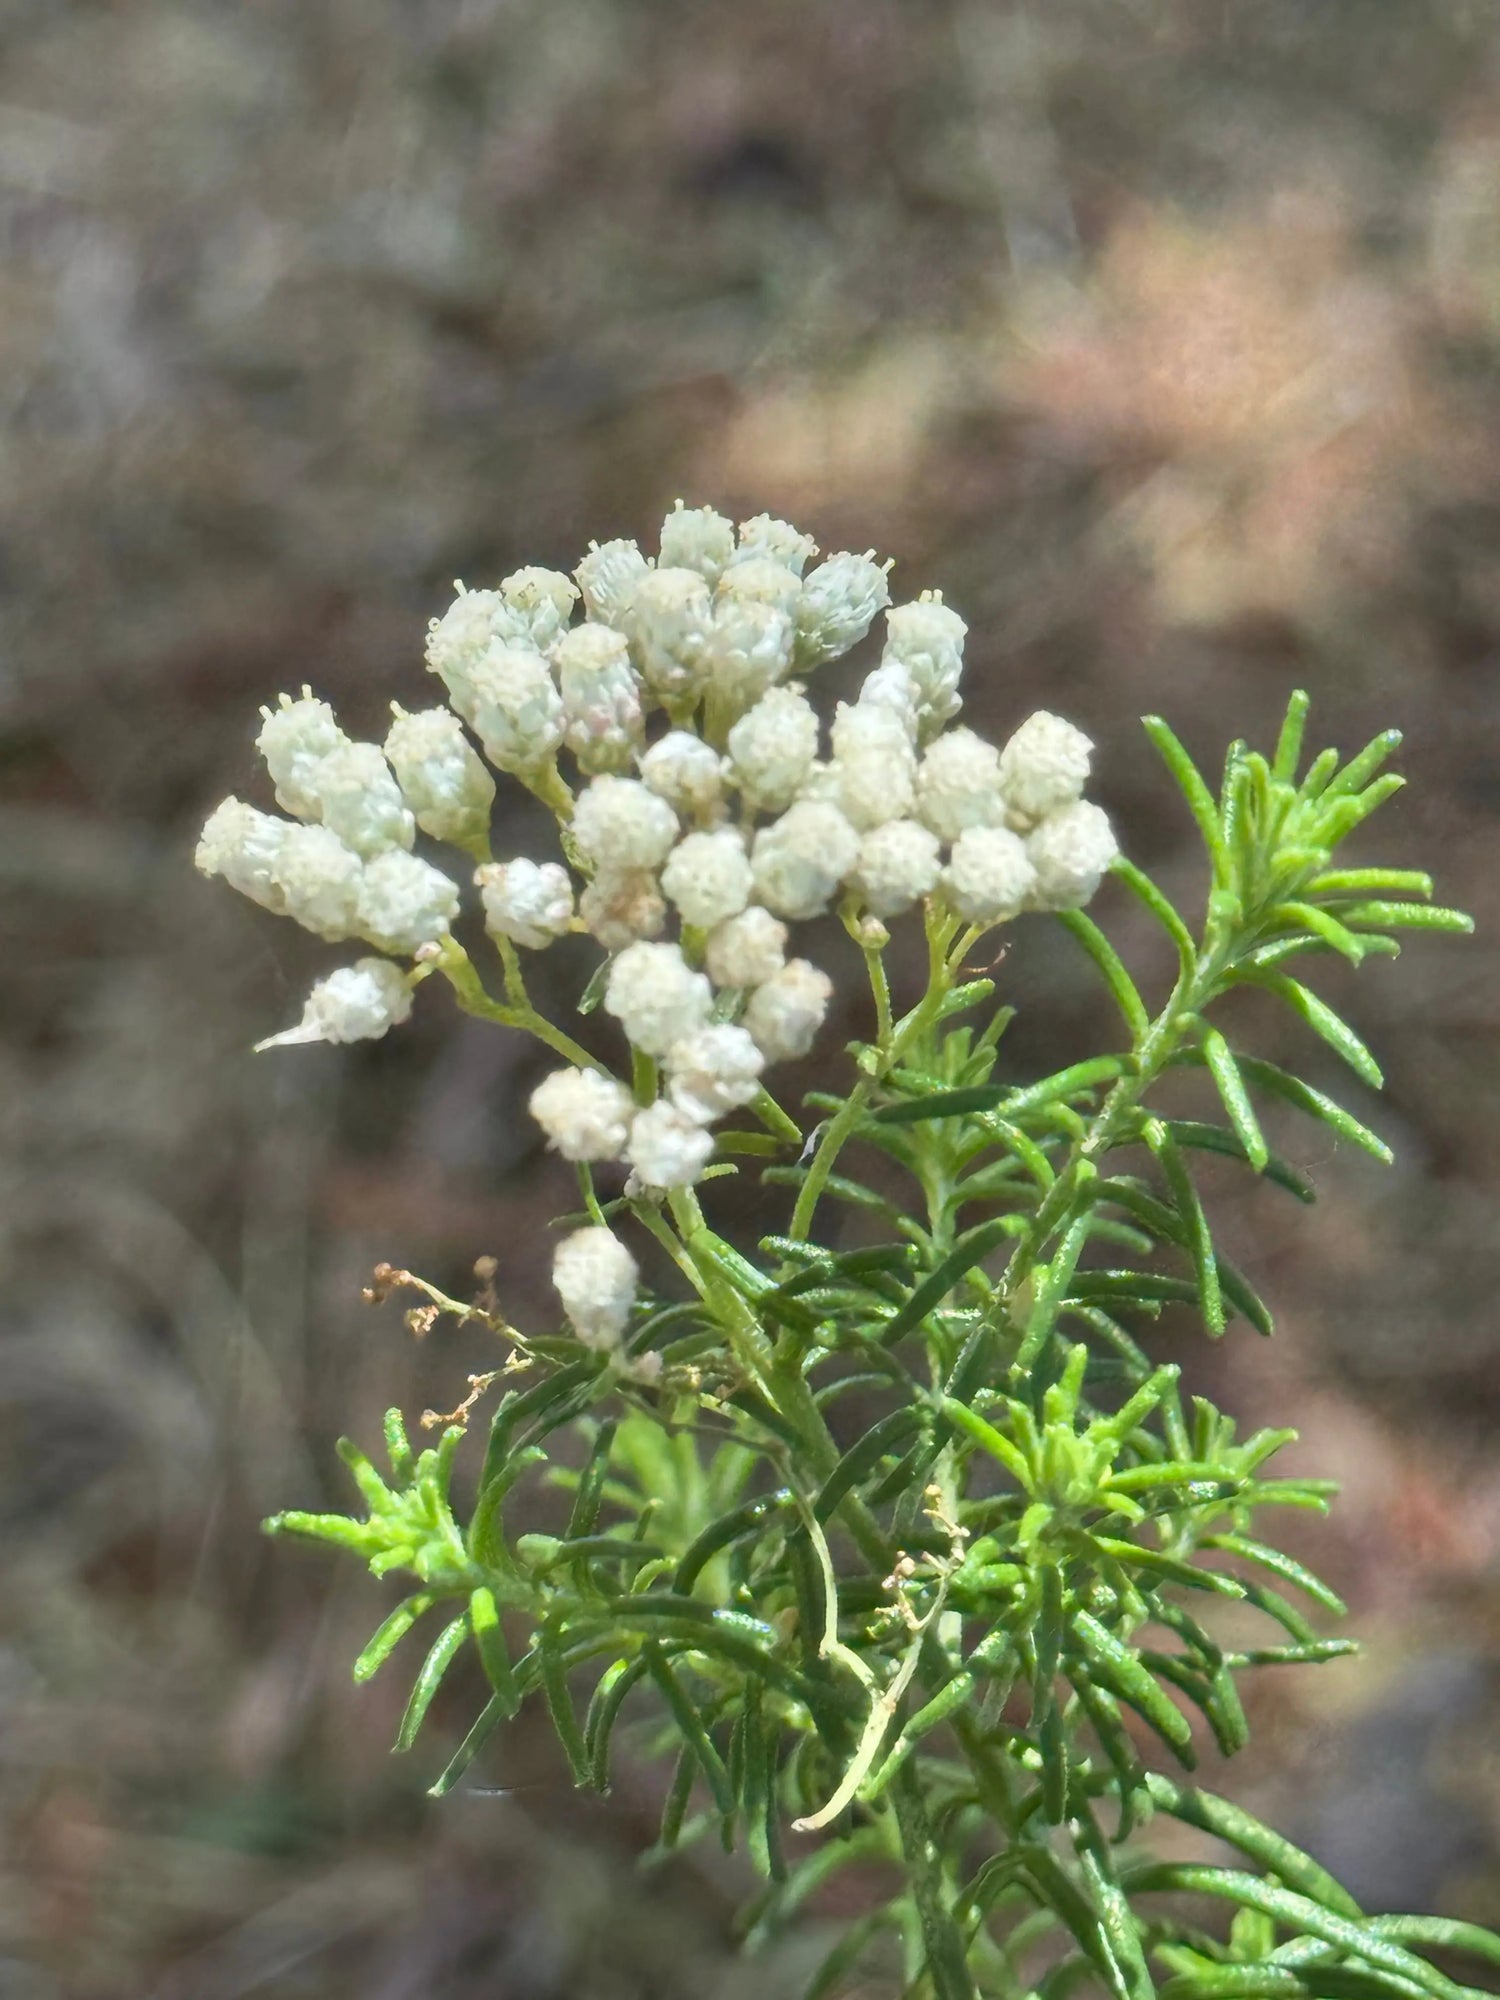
(1225, 1072)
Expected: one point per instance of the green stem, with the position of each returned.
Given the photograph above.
(458, 969)
(941, 1936)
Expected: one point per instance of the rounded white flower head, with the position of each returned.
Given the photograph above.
(1071, 851)
(874, 764)
(595, 1276)
(761, 582)
(475, 621)
(621, 905)
(749, 650)
(515, 708)
(891, 686)
(667, 1149)
(405, 903)
(294, 739)
(838, 605)
(989, 877)
(585, 1115)
(529, 902)
(747, 950)
(656, 996)
(620, 823)
(897, 866)
(443, 781)
(799, 860)
(359, 800)
(765, 539)
(928, 640)
(1043, 767)
(772, 747)
(670, 617)
(958, 785)
(713, 1070)
(784, 1015)
(242, 845)
(608, 577)
(358, 1003)
(708, 876)
(543, 600)
(697, 538)
(688, 773)
(601, 697)
(320, 882)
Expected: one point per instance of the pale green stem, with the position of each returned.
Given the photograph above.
(458, 969)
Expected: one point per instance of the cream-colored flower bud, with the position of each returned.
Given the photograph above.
(620, 823)
(242, 845)
(669, 623)
(958, 785)
(529, 902)
(656, 996)
(749, 650)
(891, 686)
(405, 903)
(897, 866)
(989, 877)
(1071, 852)
(799, 860)
(783, 1016)
(688, 773)
(294, 739)
(585, 1114)
(838, 605)
(320, 882)
(928, 640)
(621, 905)
(543, 600)
(609, 576)
(441, 777)
(601, 697)
(761, 582)
(697, 538)
(596, 1276)
(772, 747)
(666, 1148)
(360, 801)
(1043, 767)
(765, 539)
(747, 950)
(713, 1070)
(708, 876)
(874, 764)
(517, 712)
(358, 1003)
(475, 621)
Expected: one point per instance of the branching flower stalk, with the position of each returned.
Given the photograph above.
(889, 1525)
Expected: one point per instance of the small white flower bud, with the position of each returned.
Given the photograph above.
(838, 606)
(1043, 767)
(405, 903)
(747, 950)
(358, 1003)
(516, 710)
(656, 996)
(619, 823)
(1071, 851)
(761, 582)
(749, 650)
(799, 860)
(529, 902)
(601, 697)
(688, 773)
(765, 539)
(443, 781)
(360, 801)
(697, 538)
(772, 746)
(242, 845)
(669, 623)
(783, 1016)
(608, 576)
(320, 881)
(874, 764)
(928, 640)
(712, 1071)
(585, 1114)
(989, 877)
(898, 866)
(621, 905)
(666, 1148)
(475, 621)
(708, 876)
(543, 600)
(595, 1276)
(821, 783)
(891, 686)
(294, 739)
(958, 785)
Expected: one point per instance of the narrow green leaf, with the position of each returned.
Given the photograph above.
(1270, 1850)
(1408, 916)
(445, 1649)
(1067, 1083)
(609, 1697)
(591, 1484)
(390, 1632)
(674, 1810)
(560, 1705)
(1146, 892)
(495, 1711)
(1445, 1933)
(1294, 1091)
(1190, 783)
(1211, 1690)
(1225, 1072)
(1312, 917)
(1199, 1237)
(1289, 743)
(720, 1534)
(1116, 978)
(1204, 1138)
(1360, 769)
(943, 1104)
(971, 1249)
(1321, 1018)
(988, 1439)
(1372, 882)
(1053, 1282)
(1279, 1564)
(489, 1642)
(863, 1458)
(1119, 1667)
(690, 1724)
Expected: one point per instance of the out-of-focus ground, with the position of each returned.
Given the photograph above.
(1161, 335)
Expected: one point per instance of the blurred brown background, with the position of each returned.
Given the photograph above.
(1161, 334)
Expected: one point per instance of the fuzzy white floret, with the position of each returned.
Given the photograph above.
(320, 882)
(749, 650)
(1043, 767)
(897, 866)
(601, 697)
(799, 860)
(784, 1015)
(668, 1149)
(989, 877)
(928, 640)
(620, 823)
(516, 710)
(891, 686)
(958, 785)
(669, 623)
(358, 1003)
(747, 950)
(761, 582)
(441, 777)
(475, 621)
(608, 577)
(764, 538)
(294, 739)
(713, 1070)
(708, 876)
(543, 600)
(621, 905)
(772, 747)
(688, 773)
(838, 605)
(529, 902)
(874, 764)
(359, 800)
(585, 1114)
(405, 903)
(697, 538)
(242, 844)
(595, 1276)
(1071, 851)
(656, 996)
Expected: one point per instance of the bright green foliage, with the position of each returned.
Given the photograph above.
(910, 1545)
